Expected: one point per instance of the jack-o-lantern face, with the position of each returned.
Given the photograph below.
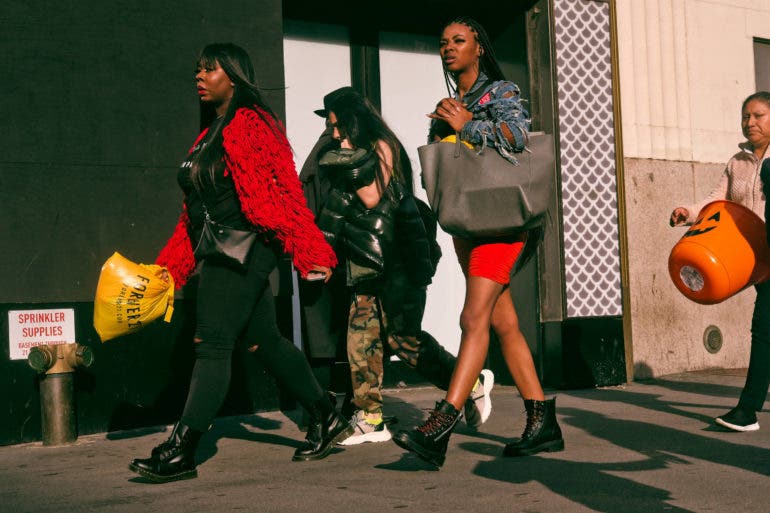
(702, 225)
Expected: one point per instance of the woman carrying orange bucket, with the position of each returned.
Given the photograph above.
(745, 181)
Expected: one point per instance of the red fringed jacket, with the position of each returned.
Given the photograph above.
(258, 157)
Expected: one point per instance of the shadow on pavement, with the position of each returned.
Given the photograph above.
(589, 484)
(696, 387)
(659, 442)
(408, 462)
(651, 401)
(592, 485)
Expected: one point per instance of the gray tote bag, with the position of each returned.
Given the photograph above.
(483, 195)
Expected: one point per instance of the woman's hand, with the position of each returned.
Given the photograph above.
(452, 112)
(317, 273)
(679, 216)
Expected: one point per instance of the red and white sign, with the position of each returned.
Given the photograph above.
(30, 328)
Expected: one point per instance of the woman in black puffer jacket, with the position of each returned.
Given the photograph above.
(372, 218)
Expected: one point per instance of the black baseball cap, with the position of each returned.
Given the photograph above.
(332, 97)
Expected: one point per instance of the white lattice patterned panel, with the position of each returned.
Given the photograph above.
(587, 141)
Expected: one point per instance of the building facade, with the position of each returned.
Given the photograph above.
(642, 98)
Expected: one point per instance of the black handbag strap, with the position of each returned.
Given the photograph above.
(470, 99)
(207, 218)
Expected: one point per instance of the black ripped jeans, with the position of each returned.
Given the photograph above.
(232, 305)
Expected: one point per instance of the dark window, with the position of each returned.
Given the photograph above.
(762, 63)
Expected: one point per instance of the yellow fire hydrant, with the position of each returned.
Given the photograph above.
(57, 388)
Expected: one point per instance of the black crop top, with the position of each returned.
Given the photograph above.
(219, 195)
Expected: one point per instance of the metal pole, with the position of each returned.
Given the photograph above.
(57, 408)
(57, 388)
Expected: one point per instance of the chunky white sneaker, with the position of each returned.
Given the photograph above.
(368, 428)
(478, 407)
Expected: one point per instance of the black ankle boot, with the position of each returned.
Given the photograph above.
(326, 428)
(304, 421)
(172, 460)
(542, 432)
(429, 441)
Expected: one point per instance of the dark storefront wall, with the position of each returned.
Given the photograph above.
(99, 108)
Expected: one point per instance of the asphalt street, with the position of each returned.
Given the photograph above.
(638, 448)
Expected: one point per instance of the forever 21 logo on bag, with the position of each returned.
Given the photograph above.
(130, 295)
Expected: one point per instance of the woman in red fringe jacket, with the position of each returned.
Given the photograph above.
(240, 173)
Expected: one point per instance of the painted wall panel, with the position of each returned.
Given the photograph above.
(587, 146)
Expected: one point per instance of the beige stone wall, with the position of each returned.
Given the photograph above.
(667, 328)
(685, 66)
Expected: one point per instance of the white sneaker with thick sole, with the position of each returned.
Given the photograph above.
(365, 431)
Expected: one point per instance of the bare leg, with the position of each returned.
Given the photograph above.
(481, 295)
(515, 350)
(487, 303)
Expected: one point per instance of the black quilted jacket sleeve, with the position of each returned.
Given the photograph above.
(331, 219)
(365, 234)
(416, 247)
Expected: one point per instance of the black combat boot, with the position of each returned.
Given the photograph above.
(172, 460)
(429, 441)
(542, 432)
(304, 421)
(437, 365)
(326, 428)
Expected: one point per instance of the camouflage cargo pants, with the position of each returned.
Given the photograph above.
(367, 324)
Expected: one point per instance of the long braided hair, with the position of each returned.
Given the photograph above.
(487, 61)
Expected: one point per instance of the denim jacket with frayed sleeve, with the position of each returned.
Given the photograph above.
(493, 104)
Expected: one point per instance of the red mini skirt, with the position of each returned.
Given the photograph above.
(491, 260)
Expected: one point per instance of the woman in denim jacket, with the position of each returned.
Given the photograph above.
(484, 110)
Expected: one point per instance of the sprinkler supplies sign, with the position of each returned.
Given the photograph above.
(30, 328)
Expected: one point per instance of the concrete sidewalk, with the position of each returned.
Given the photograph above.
(643, 447)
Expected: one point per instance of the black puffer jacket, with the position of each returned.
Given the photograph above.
(413, 266)
(365, 235)
(387, 247)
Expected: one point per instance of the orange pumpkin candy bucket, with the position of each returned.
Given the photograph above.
(722, 253)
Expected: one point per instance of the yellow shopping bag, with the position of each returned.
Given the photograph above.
(129, 296)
